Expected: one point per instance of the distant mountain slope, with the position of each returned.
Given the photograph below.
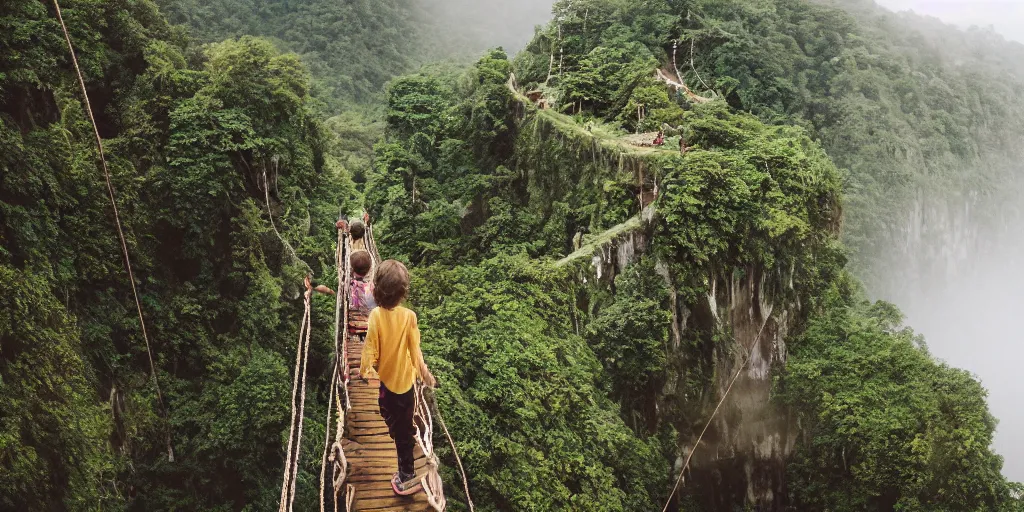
(351, 48)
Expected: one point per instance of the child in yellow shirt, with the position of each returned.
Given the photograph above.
(393, 350)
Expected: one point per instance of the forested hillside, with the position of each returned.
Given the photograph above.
(195, 140)
(352, 48)
(586, 299)
(922, 117)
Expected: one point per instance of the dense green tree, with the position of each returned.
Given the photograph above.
(193, 140)
(522, 392)
(887, 427)
(629, 338)
(54, 433)
(353, 48)
(448, 134)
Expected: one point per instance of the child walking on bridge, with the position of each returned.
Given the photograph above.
(393, 350)
(361, 299)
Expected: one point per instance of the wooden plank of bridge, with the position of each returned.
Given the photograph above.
(369, 449)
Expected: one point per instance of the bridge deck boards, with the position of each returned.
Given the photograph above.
(370, 451)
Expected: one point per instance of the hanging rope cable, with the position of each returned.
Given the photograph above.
(120, 231)
(270, 213)
(291, 464)
(341, 259)
(693, 67)
(725, 395)
(458, 460)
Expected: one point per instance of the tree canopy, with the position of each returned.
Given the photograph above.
(577, 291)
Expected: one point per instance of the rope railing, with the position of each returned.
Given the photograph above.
(327, 435)
(291, 466)
(333, 452)
(423, 423)
(458, 460)
(371, 247)
(341, 377)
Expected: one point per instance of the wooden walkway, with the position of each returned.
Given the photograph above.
(369, 449)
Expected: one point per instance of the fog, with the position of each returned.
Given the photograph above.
(489, 23)
(972, 320)
(968, 310)
(1005, 16)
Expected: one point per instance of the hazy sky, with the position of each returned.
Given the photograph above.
(506, 23)
(1006, 16)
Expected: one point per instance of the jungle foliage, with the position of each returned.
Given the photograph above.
(551, 385)
(194, 137)
(910, 109)
(749, 197)
(887, 427)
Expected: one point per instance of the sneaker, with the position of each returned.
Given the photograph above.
(405, 485)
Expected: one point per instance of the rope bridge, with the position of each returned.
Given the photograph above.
(361, 453)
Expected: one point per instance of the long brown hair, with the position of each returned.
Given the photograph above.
(390, 284)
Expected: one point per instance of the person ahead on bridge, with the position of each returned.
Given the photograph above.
(361, 299)
(357, 230)
(393, 350)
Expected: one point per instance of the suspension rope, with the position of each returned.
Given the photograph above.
(302, 407)
(334, 374)
(120, 231)
(735, 377)
(327, 435)
(465, 481)
(270, 213)
(371, 245)
(291, 464)
(340, 463)
(423, 424)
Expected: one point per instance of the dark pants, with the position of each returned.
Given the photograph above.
(397, 411)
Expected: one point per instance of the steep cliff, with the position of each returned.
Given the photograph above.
(744, 233)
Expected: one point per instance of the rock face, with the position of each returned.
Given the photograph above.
(935, 240)
(743, 454)
(944, 238)
(730, 314)
(747, 444)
